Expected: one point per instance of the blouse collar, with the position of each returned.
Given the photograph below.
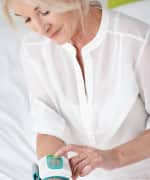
(96, 40)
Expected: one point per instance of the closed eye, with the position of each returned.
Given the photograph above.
(44, 13)
(28, 20)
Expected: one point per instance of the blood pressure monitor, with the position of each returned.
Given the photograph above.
(56, 167)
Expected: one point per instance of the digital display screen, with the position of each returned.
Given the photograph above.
(54, 162)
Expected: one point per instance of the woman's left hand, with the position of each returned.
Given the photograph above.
(89, 158)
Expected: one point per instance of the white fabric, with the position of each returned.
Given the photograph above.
(116, 108)
(16, 150)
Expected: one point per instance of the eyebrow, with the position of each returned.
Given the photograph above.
(35, 9)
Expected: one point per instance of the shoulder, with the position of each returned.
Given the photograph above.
(124, 25)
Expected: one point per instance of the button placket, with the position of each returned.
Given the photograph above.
(85, 100)
(88, 76)
(86, 108)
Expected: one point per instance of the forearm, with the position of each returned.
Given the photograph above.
(135, 150)
(47, 144)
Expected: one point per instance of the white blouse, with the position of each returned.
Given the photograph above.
(116, 106)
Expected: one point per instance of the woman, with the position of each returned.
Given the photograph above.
(87, 71)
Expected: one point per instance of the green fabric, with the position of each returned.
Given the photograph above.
(115, 3)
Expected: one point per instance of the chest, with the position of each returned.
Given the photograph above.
(81, 65)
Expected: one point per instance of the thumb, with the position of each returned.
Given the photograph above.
(61, 152)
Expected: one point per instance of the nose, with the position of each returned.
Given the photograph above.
(40, 26)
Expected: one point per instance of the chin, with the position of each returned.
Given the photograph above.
(61, 41)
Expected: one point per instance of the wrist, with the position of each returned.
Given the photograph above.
(115, 156)
(121, 157)
(109, 159)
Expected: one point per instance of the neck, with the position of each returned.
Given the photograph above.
(88, 29)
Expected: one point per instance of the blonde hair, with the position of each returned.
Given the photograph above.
(57, 6)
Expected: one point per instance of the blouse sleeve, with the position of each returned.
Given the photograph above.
(143, 73)
(44, 116)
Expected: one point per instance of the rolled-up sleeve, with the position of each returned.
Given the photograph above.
(143, 74)
(44, 116)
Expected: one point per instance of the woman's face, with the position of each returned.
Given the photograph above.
(60, 27)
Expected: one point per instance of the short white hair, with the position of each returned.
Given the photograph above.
(54, 6)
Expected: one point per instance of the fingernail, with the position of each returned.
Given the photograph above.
(86, 170)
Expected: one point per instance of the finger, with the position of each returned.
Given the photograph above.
(77, 161)
(74, 177)
(64, 150)
(72, 166)
(86, 171)
(79, 168)
(83, 170)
